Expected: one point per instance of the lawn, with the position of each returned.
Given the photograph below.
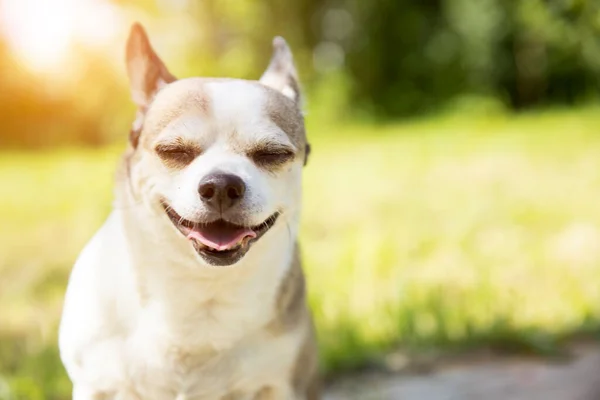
(442, 233)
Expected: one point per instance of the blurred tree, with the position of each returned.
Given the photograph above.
(410, 57)
(403, 56)
(555, 52)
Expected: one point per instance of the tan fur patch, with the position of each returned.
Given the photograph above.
(291, 312)
(180, 98)
(290, 304)
(266, 393)
(305, 374)
(286, 115)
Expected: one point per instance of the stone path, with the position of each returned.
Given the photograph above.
(503, 379)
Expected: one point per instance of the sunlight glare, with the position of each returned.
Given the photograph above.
(42, 32)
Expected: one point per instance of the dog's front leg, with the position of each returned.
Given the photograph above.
(84, 393)
(266, 393)
(275, 393)
(126, 395)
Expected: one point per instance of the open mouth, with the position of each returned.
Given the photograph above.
(219, 242)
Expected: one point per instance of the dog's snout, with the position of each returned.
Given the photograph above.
(221, 191)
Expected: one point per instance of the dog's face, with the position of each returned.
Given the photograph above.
(221, 158)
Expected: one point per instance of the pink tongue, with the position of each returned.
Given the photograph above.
(220, 238)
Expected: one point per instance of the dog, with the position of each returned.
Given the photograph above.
(193, 287)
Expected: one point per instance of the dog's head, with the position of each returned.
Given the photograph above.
(220, 158)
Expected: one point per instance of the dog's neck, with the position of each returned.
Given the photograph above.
(172, 281)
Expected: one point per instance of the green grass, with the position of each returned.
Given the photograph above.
(446, 232)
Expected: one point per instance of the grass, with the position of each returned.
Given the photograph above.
(447, 232)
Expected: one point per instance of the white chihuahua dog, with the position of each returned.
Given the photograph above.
(193, 288)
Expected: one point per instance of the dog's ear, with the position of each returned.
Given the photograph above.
(281, 73)
(147, 74)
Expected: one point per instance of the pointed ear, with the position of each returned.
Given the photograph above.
(147, 73)
(281, 73)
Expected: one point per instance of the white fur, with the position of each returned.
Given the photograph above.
(144, 316)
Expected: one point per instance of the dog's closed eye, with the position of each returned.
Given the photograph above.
(177, 153)
(269, 157)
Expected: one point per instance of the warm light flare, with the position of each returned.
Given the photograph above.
(42, 32)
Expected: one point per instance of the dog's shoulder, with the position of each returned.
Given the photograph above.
(90, 307)
(290, 301)
(292, 315)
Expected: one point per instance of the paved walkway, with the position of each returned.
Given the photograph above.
(504, 379)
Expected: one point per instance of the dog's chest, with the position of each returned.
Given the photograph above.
(257, 362)
(253, 362)
(184, 347)
(214, 323)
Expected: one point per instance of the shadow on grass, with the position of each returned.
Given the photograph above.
(345, 351)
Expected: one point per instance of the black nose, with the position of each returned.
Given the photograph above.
(221, 191)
